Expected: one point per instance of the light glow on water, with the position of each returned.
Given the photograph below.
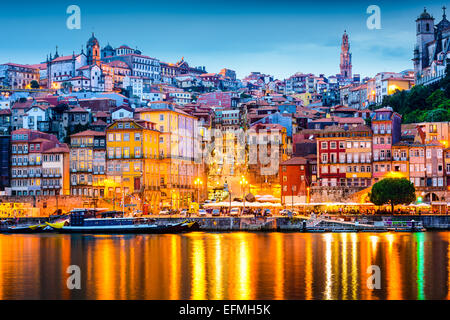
(226, 266)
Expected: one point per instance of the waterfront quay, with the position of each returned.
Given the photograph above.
(339, 223)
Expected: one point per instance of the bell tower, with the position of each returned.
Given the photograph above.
(346, 57)
(424, 35)
(93, 51)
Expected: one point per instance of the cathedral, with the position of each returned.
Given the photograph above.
(432, 48)
(84, 71)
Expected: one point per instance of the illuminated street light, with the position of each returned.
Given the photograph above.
(243, 183)
(198, 182)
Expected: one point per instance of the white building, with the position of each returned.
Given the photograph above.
(135, 85)
(122, 112)
(65, 68)
(54, 162)
(34, 115)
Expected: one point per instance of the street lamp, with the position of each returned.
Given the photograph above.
(198, 182)
(307, 194)
(243, 183)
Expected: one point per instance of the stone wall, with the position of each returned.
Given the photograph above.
(47, 205)
(335, 194)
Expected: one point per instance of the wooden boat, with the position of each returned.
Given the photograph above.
(38, 228)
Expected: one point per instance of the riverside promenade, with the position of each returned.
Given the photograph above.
(296, 223)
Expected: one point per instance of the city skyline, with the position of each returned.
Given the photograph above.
(254, 36)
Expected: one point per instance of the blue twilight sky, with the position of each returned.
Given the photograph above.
(277, 37)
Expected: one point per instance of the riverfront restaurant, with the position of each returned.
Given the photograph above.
(369, 208)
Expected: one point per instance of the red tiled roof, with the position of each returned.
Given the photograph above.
(295, 161)
(63, 148)
(23, 105)
(78, 109)
(64, 58)
(88, 133)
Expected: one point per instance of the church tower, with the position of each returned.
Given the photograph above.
(346, 58)
(424, 35)
(93, 51)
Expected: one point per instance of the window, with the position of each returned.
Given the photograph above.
(126, 136)
(111, 137)
(323, 145)
(137, 136)
(126, 152)
(137, 151)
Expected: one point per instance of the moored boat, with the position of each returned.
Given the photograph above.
(38, 228)
(83, 221)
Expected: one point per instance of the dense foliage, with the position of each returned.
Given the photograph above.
(423, 103)
(393, 191)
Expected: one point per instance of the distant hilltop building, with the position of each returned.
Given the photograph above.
(346, 57)
(432, 48)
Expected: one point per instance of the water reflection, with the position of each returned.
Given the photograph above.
(227, 266)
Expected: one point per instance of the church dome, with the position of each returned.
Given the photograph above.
(92, 41)
(425, 15)
(108, 47)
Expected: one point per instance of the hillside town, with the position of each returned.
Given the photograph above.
(110, 122)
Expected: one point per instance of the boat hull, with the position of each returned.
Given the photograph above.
(126, 229)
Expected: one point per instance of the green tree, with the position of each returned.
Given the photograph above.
(34, 84)
(437, 115)
(393, 191)
(436, 98)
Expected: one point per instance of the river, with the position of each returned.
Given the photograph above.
(238, 265)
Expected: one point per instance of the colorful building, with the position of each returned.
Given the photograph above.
(345, 156)
(133, 172)
(88, 163)
(179, 153)
(386, 127)
(296, 178)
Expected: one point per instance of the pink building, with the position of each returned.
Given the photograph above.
(223, 99)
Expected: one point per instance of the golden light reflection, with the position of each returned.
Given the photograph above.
(344, 275)
(394, 276)
(354, 277)
(174, 288)
(328, 238)
(217, 292)
(243, 267)
(198, 269)
(279, 262)
(227, 266)
(309, 269)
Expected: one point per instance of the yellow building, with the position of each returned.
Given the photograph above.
(132, 148)
(400, 160)
(358, 156)
(305, 97)
(179, 153)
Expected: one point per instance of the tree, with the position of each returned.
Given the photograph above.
(34, 84)
(392, 191)
(436, 98)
